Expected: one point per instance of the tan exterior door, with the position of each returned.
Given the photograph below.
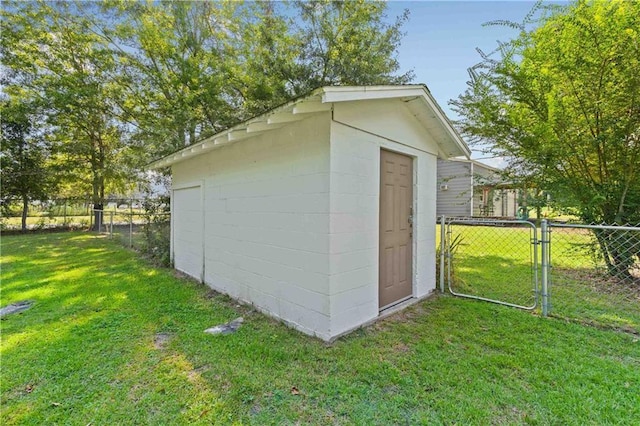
(396, 228)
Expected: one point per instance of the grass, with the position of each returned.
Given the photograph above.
(494, 262)
(497, 263)
(112, 340)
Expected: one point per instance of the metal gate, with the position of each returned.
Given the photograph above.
(490, 260)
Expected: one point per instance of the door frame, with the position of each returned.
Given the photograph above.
(414, 160)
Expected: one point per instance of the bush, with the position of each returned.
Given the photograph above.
(156, 230)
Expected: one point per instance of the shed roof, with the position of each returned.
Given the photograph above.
(417, 98)
(476, 163)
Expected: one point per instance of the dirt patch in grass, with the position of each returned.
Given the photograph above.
(161, 340)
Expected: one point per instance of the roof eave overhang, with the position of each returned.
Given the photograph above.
(321, 100)
(431, 116)
(274, 119)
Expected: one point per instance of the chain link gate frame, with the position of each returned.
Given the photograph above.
(450, 244)
(586, 285)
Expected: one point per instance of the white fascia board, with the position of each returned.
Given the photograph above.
(236, 135)
(460, 146)
(311, 107)
(419, 91)
(359, 93)
(261, 126)
(321, 100)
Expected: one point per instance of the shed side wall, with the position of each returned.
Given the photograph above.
(266, 224)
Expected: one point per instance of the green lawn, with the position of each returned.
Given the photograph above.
(88, 352)
(497, 263)
(494, 262)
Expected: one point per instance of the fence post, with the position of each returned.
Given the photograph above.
(131, 229)
(544, 240)
(442, 247)
(111, 225)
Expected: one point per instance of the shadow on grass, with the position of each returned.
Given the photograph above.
(89, 336)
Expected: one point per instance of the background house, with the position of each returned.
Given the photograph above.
(320, 212)
(470, 188)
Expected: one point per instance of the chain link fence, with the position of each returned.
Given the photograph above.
(595, 274)
(62, 213)
(584, 273)
(141, 224)
(147, 232)
(493, 260)
(50, 214)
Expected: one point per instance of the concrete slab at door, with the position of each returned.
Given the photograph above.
(396, 228)
(188, 231)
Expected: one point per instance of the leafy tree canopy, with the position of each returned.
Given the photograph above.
(120, 83)
(23, 172)
(562, 103)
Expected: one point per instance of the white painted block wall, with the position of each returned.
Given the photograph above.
(266, 221)
(354, 205)
(291, 216)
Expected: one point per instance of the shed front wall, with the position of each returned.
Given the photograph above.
(266, 221)
(358, 133)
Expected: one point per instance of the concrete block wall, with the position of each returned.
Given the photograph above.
(266, 221)
(291, 216)
(356, 139)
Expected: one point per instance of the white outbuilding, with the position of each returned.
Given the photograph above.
(320, 212)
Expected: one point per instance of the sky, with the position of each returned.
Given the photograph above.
(441, 40)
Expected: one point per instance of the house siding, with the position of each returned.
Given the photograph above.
(455, 200)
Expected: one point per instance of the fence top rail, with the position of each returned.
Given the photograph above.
(581, 226)
(475, 221)
(128, 213)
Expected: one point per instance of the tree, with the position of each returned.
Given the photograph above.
(562, 103)
(23, 172)
(121, 83)
(59, 63)
(173, 57)
(348, 43)
(196, 68)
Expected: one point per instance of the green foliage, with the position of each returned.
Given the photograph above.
(23, 172)
(58, 63)
(195, 68)
(561, 101)
(122, 83)
(157, 230)
(348, 43)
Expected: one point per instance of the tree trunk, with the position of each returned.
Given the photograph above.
(25, 210)
(97, 216)
(97, 169)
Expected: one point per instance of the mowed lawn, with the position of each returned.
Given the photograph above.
(113, 340)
